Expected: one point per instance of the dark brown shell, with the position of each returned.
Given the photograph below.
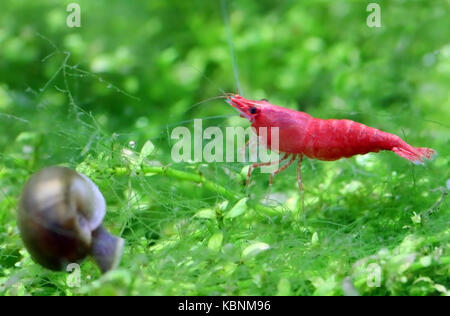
(53, 227)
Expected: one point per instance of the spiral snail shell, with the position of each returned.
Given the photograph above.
(60, 220)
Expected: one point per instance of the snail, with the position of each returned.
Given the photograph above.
(60, 220)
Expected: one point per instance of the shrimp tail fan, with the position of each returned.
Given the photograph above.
(414, 154)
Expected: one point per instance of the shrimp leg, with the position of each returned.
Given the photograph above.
(299, 181)
(261, 164)
(274, 173)
(248, 144)
(281, 169)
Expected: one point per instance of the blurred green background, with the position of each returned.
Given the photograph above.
(135, 70)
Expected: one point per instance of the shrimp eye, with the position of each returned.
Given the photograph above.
(253, 110)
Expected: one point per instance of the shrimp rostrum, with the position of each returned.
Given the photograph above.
(300, 135)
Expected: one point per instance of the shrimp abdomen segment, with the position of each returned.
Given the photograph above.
(335, 139)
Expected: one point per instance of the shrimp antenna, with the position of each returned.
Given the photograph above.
(209, 80)
(230, 44)
(207, 100)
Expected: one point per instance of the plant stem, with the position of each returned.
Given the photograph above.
(197, 178)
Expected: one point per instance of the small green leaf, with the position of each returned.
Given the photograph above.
(215, 242)
(416, 219)
(238, 209)
(441, 288)
(28, 137)
(254, 249)
(229, 268)
(129, 157)
(315, 239)
(325, 287)
(244, 172)
(426, 261)
(146, 150)
(284, 287)
(223, 205)
(205, 213)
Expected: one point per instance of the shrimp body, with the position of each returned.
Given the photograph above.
(302, 134)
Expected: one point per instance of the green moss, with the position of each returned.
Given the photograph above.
(91, 98)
